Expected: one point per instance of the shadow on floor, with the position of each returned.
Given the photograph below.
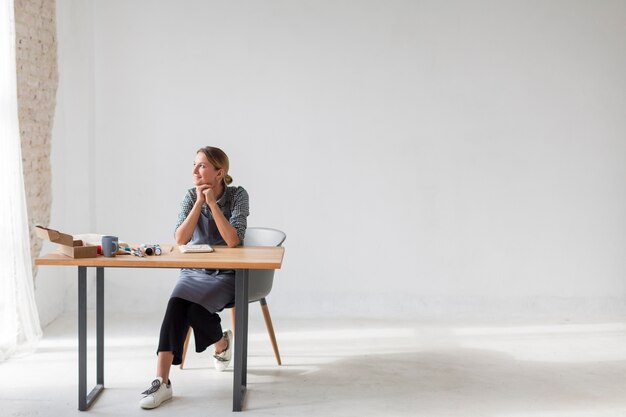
(436, 383)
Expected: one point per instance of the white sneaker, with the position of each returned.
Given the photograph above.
(221, 360)
(156, 394)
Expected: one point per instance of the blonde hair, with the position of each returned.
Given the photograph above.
(219, 160)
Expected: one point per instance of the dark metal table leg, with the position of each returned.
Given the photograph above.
(85, 401)
(241, 338)
(100, 325)
(82, 338)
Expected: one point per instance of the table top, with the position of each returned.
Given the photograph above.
(244, 257)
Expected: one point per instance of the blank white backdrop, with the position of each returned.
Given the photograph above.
(424, 158)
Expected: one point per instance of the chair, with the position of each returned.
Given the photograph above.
(259, 283)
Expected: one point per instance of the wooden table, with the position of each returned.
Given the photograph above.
(241, 259)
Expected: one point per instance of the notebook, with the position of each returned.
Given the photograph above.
(195, 248)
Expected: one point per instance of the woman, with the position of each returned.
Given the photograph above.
(216, 214)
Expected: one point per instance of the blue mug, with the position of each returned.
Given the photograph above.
(110, 246)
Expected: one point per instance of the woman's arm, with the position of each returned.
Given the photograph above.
(185, 230)
(226, 229)
(228, 232)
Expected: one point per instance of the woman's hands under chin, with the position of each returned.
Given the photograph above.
(200, 193)
(209, 195)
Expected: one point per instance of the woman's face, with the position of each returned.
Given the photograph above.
(205, 173)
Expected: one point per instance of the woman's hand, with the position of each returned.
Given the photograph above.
(200, 196)
(209, 195)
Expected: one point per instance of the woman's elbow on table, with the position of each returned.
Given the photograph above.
(180, 240)
(234, 243)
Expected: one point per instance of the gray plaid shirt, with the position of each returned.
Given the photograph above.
(233, 201)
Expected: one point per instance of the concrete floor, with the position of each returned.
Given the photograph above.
(344, 368)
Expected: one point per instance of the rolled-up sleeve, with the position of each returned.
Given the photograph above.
(240, 210)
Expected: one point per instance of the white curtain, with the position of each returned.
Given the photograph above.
(19, 320)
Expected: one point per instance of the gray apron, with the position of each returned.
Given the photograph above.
(213, 289)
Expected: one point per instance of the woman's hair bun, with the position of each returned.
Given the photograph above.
(228, 179)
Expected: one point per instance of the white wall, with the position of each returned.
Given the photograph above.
(72, 151)
(424, 158)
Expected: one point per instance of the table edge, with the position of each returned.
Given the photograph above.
(153, 262)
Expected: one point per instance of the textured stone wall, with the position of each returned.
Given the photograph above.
(37, 80)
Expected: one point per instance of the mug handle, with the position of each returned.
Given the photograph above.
(116, 245)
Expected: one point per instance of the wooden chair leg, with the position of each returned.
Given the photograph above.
(185, 347)
(232, 319)
(270, 328)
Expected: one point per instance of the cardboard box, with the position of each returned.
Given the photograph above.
(67, 244)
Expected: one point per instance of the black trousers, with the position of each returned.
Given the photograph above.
(179, 315)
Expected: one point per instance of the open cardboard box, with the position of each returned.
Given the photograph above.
(67, 244)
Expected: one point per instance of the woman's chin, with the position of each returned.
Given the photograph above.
(199, 183)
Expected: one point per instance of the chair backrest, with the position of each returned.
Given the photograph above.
(261, 280)
(263, 236)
